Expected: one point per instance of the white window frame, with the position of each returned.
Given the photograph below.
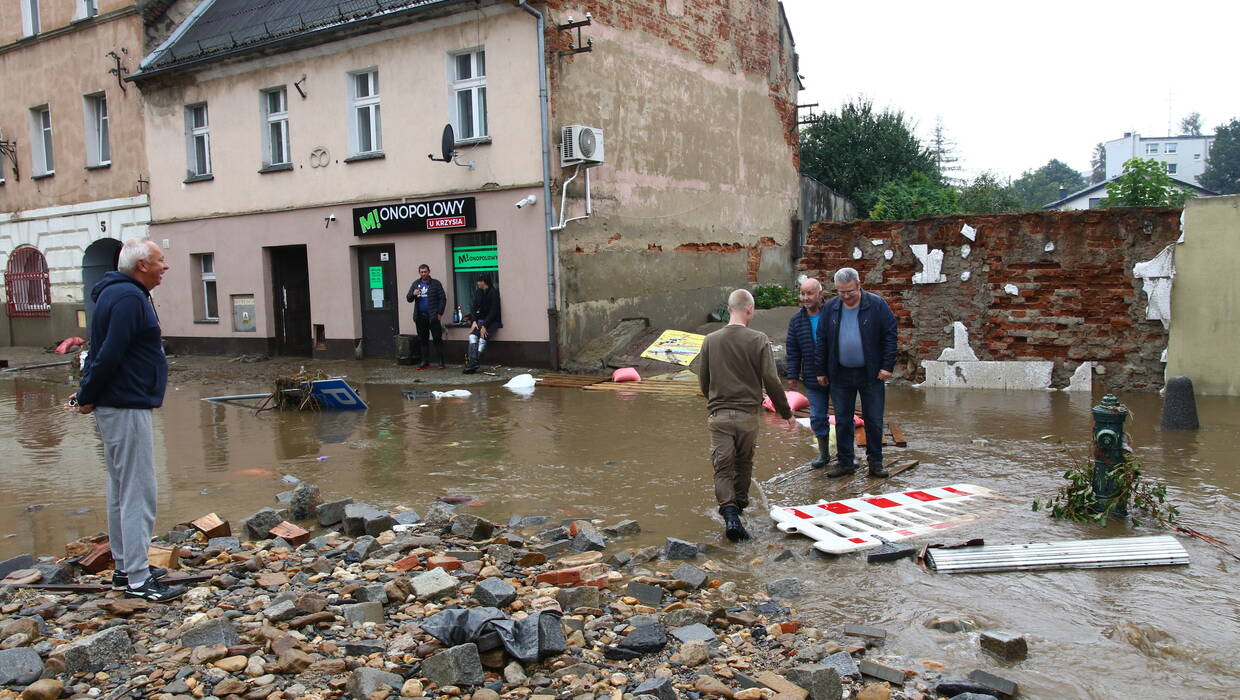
(30, 17)
(194, 133)
(1151, 149)
(42, 151)
(1171, 148)
(1171, 168)
(1196, 156)
(369, 105)
(85, 9)
(209, 287)
(275, 121)
(98, 145)
(473, 88)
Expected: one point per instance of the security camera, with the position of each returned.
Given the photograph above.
(528, 200)
(331, 217)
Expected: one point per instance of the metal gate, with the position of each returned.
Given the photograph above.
(26, 284)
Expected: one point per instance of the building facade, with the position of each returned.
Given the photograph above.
(295, 198)
(73, 164)
(1184, 156)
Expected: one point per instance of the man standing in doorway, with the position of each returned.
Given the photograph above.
(485, 311)
(858, 340)
(125, 376)
(428, 313)
(736, 365)
(802, 349)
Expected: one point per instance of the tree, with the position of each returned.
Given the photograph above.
(1222, 172)
(1191, 125)
(915, 196)
(1144, 183)
(1098, 164)
(1037, 188)
(856, 150)
(987, 194)
(943, 150)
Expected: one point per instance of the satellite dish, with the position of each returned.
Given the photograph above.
(447, 146)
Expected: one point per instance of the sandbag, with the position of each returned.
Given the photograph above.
(796, 401)
(626, 374)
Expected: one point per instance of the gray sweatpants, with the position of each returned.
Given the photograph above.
(129, 451)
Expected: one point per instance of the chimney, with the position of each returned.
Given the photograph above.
(1127, 134)
(1063, 192)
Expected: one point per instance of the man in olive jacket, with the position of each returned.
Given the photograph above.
(735, 366)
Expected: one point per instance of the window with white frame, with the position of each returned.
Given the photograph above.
(1151, 148)
(42, 160)
(1171, 168)
(1196, 156)
(85, 9)
(275, 127)
(98, 150)
(469, 88)
(1171, 148)
(365, 126)
(198, 140)
(30, 17)
(210, 310)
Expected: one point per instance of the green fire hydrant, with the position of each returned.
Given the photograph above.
(1109, 418)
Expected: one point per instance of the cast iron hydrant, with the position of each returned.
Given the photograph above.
(1109, 447)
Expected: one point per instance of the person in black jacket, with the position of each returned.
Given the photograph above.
(123, 379)
(486, 321)
(428, 312)
(857, 341)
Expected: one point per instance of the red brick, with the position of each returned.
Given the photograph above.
(443, 562)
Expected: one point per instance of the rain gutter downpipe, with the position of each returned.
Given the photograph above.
(545, 115)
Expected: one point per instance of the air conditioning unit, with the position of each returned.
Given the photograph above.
(581, 145)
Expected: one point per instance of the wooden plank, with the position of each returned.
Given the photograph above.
(897, 434)
(569, 381)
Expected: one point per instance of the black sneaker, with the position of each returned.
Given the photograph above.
(120, 580)
(155, 591)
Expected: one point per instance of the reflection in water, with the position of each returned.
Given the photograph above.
(567, 452)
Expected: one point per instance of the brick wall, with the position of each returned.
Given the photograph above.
(1077, 298)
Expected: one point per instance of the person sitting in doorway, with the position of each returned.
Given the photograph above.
(484, 309)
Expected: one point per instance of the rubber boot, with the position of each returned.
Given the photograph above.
(471, 360)
(824, 454)
(877, 470)
(733, 529)
(842, 469)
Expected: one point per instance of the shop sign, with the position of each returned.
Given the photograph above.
(475, 258)
(433, 215)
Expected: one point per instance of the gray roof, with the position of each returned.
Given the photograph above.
(225, 27)
(1099, 185)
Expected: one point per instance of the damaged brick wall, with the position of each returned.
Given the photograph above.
(1076, 298)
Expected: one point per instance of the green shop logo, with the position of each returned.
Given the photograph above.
(485, 257)
(370, 221)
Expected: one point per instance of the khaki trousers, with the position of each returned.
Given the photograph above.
(733, 436)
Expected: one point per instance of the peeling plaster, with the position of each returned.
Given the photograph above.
(968, 232)
(889, 254)
(960, 351)
(1082, 378)
(959, 368)
(877, 242)
(964, 276)
(932, 264)
(1156, 275)
(1050, 245)
(965, 250)
(856, 253)
(1012, 289)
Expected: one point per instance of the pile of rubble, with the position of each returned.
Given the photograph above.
(387, 604)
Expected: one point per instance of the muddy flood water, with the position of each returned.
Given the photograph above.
(568, 452)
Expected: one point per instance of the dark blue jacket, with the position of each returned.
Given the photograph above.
(484, 308)
(126, 366)
(878, 336)
(436, 299)
(801, 350)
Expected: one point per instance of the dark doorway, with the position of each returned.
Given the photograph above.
(99, 259)
(376, 274)
(290, 300)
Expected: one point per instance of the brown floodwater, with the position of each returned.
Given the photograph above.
(573, 453)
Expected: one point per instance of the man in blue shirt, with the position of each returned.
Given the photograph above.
(427, 313)
(803, 362)
(857, 338)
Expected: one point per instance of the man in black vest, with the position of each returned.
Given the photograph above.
(486, 321)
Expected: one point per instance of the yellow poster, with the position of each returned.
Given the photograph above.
(676, 347)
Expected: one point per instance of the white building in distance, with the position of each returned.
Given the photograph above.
(1185, 156)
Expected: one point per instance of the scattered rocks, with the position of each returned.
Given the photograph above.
(44, 689)
(258, 526)
(1005, 645)
(20, 666)
(844, 665)
(624, 528)
(883, 672)
(690, 575)
(217, 631)
(434, 584)
(1000, 685)
(472, 527)
(661, 688)
(680, 549)
(365, 682)
(92, 653)
(646, 640)
(822, 681)
(876, 634)
(495, 592)
(458, 666)
(645, 593)
(694, 653)
(784, 588)
(359, 614)
(694, 632)
(333, 512)
(305, 501)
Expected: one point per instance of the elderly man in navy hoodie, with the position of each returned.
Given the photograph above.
(124, 377)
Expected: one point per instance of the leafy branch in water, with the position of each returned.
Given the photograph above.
(1076, 500)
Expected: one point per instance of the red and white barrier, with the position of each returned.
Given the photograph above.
(854, 524)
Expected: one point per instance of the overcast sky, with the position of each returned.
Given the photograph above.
(1018, 83)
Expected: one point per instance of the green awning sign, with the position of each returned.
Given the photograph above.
(376, 277)
(479, 258)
